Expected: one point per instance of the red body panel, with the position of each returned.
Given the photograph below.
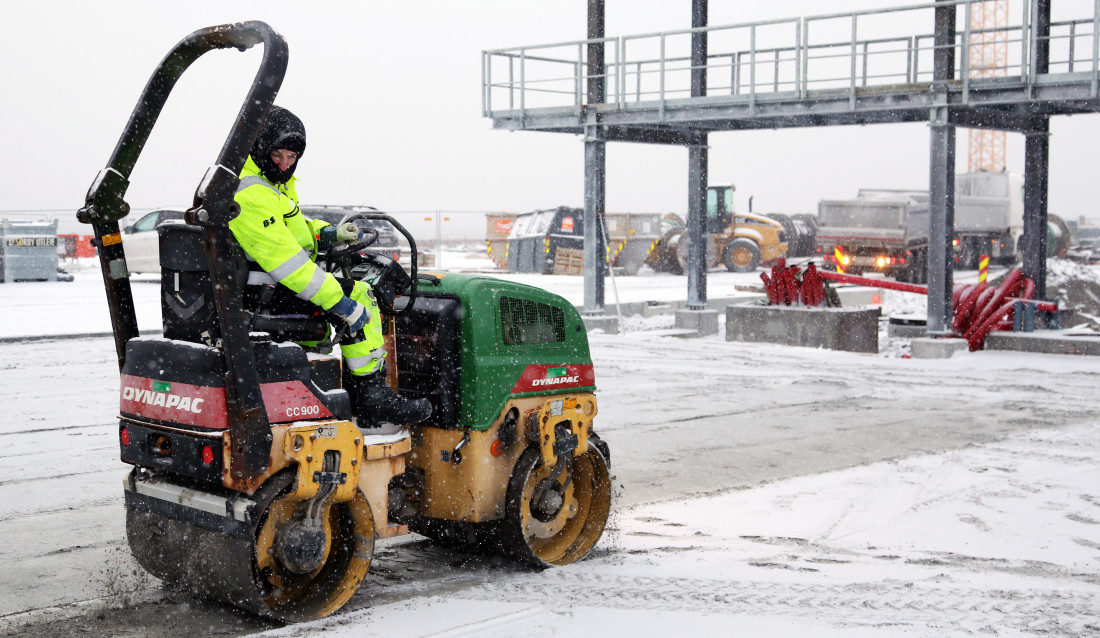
(204, 406)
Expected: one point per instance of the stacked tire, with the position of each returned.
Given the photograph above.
(801, 232)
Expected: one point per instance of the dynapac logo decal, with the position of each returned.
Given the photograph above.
(550, 377)
(204, 406)
(557, 376)
(174, 402)
(162, 395)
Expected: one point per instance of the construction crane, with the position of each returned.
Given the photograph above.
(988, 59)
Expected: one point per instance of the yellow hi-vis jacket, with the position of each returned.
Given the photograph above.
(282, 241)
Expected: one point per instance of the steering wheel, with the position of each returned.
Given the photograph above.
(343, 253)
(385, 275)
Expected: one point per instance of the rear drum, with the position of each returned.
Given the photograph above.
(564, 525)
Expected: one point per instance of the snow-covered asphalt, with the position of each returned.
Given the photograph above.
(761, 490)
(691, 437)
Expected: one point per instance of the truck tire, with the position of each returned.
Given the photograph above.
(809, 239)
(742, 255)
(968, 253)
(917, 268)
(683, 246)
(902, 275)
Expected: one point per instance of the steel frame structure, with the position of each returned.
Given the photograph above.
(863, 67)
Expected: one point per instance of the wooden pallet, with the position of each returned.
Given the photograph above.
(568, 261)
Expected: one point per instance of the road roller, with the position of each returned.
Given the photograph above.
(252, 483)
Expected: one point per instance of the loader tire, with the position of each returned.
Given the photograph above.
(742, 255)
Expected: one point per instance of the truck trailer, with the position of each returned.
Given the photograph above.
(888, 230)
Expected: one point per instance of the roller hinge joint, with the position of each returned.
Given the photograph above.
(330, 478)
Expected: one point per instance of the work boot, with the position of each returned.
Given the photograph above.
(375, 404)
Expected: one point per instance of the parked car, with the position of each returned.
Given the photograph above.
(141, 243)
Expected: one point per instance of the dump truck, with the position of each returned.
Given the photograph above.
(867, 233)
(887, 231)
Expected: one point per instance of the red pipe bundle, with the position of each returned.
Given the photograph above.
(788, 285)
(981, 309)
(978, 308)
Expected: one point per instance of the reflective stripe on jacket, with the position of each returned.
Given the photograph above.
(282, 241)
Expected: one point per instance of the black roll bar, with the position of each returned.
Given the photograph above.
(213, 207)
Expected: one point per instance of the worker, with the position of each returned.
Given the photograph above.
(282, 245)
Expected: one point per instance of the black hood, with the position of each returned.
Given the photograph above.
(281, 129)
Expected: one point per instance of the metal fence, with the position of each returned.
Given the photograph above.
(785, 59)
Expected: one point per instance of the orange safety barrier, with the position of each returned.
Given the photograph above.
(76, 246)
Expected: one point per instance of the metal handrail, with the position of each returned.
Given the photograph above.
(778, 67)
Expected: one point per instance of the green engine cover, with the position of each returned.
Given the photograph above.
(517, 341)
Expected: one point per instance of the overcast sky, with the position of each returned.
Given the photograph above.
(390, 95)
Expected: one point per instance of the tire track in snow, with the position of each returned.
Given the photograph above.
(1053, 612)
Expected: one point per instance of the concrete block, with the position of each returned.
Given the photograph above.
(859, 296)
(850, 329)
(654, 308)
(608, 323)
(936, 348)
(703, 322)
(627, 309)
(1044, 341)
(906, 327)
(718, 304)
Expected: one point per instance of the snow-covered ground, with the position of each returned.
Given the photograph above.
(80, 307)
(760, 490)
(998, 539)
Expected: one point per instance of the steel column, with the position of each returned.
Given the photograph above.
(698, 48)
(697, 170)
(1034, 240)
(941, 203)
(941, 179)
(595, 167)
(595, 193)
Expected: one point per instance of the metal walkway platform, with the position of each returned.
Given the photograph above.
(913, 63)
(784, 75)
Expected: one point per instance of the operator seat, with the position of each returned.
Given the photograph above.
(189, 314)
(187, 297)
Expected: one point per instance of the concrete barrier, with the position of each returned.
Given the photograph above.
(906, 327)
(608, 323)
(702, 322)
(1044, 341)
(936, 347)
(850, 329)
(859, 296)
